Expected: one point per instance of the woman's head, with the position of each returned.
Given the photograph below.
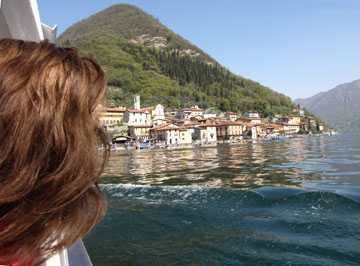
(48, 147)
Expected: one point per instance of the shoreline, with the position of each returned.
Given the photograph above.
(147, 146)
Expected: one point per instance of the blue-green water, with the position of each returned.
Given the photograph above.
(292, 202)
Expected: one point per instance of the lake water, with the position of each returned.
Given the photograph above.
(284, 202)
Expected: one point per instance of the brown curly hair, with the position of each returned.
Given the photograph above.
(49, 143)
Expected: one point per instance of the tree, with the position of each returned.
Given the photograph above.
(224, 105)
(261, 105)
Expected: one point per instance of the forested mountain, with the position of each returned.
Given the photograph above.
(142, 56)
(338, 107)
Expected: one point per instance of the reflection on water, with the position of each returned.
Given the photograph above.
(333, 160)
(181, 219)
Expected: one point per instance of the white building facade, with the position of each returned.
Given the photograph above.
(187, 113)
(251, 114)
(168, 134)
(206, 133)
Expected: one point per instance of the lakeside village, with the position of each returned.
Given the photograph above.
(153, 127)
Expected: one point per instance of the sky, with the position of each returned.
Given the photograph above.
(295, 47)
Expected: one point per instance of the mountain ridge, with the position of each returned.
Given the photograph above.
(142, 33)
(142, 56)
(338, 106)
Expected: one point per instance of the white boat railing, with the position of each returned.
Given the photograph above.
(75, 255)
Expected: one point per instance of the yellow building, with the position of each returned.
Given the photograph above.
(291, 128)
(184, 136)
(294, 119)
(112, 116)
(140, 131)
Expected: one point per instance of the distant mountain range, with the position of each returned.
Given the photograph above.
(339, 106)
(142, 56)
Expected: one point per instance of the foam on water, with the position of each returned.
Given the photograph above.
(290, 202)
(162, 225)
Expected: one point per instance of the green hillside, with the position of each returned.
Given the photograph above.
(142, 56)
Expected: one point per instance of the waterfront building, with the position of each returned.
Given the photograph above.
(112, 116)
(191, 128)
(262, 130)
(140, 131)
(311, 121)
(229, 130)
(304, 126)
(273, 129)
(255, 129)
(168, 134)
(206, 133)
(153, 133)
(291, 128)
(185, 136)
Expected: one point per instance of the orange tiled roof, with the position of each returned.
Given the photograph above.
(160, 126)
(167, 128)
(231, 113)
(193, 123)
(149, 108)
(223, 123)
(141, 110)
(183, 128)
(275, 125)
(287, 124)
(109, 109)
(207, 125)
